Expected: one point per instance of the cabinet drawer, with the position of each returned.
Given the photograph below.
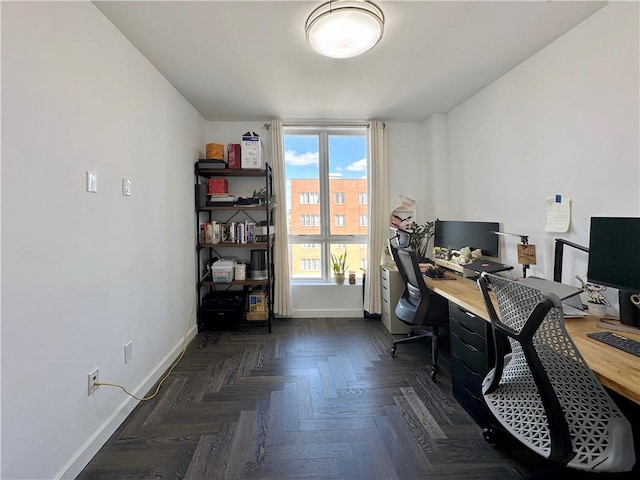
(470, 321)
(386, 308)
(467, 376)
(386, 293)
(384, 274)
(471, 337)
(474, 405)
(476, 360)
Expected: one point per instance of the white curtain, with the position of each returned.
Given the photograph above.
(282, 303)
(378, 212)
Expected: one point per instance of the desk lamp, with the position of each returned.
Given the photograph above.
(526, 251)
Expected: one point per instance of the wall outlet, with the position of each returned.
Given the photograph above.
(128, 352)
(92, 378)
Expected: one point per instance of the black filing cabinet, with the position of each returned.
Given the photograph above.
(471, 359)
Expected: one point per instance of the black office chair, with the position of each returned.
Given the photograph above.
(543, 393)
(424, 311)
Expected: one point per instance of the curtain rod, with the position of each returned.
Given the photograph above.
(328, 125)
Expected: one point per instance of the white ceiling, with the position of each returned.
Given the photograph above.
(248, 60)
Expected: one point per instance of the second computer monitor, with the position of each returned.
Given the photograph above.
(459, 234)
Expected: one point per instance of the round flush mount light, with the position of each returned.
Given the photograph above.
(344, 28)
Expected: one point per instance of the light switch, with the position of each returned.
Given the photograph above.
(126, 186)
(92, 181)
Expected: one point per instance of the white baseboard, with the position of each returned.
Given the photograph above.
(346, 313)
(84, 455)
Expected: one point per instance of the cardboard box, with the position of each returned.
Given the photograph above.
(251, 151)
(215, 151)
(218, 185)
(257, 306)
(234, 156)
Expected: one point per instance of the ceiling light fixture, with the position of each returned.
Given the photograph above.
(344, 28)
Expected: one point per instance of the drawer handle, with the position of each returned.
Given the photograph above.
(469, 314)
(471, 369)
(471, 347)
(467, 329)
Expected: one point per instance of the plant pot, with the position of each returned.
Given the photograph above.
(338, 278)
(597, 309)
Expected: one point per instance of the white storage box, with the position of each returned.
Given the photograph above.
(222, 271)
(251, 151)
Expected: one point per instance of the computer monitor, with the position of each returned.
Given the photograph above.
(614, 260)
(459, 234)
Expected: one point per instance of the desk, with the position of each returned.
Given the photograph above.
(617, 370)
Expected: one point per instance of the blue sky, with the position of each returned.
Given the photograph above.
(347, 156)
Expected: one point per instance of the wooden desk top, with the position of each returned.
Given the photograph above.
(618, 370)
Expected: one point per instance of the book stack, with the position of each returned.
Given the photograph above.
(231, 232)
(210, 232)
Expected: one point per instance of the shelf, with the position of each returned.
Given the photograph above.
(229, 172)
(223, 213)
(238, 208)
(235, 282)
(456, 267)
(262, 245)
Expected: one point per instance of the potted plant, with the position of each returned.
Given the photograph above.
(420, 237)
(260, 195)
(597, 304)
(339, 266)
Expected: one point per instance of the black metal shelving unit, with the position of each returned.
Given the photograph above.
(205, 251)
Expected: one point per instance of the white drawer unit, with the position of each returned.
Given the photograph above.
(392, 287)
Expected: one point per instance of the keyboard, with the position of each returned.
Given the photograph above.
(617, 341)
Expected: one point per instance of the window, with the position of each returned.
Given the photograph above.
(326, 170)
(309, 198)
(310, 220)
(310, 264)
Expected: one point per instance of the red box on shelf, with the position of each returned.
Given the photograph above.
(233, 155)
(218, 185)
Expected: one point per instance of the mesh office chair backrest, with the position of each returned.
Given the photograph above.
(414, 302)
(544, 393)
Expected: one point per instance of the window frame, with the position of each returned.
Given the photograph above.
(325, 239)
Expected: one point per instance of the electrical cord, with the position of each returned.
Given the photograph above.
(173, 365)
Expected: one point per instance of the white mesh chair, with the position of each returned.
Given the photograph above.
(543, 392)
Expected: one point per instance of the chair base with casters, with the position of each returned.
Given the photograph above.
(424, 311)
(420, 335)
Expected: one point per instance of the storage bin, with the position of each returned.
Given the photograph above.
(222, 271)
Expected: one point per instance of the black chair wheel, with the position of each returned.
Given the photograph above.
(435, 375)
(491, 437)
(393, 351)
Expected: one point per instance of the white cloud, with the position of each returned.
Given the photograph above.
(293, 158)
(359, 166)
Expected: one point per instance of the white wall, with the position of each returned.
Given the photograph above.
(566, 121)
(85, 273)
(406, 157)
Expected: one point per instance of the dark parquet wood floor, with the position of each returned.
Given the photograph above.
(317, 398)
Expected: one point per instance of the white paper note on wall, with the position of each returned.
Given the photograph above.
(558, 214)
